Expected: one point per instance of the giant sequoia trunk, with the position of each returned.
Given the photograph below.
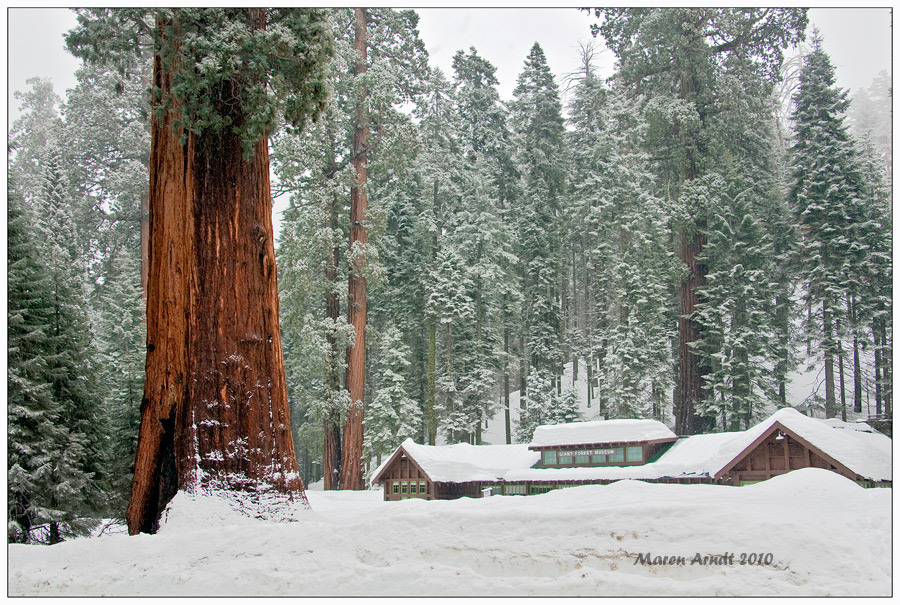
(690, 377)
(352, 454)
(214, 415)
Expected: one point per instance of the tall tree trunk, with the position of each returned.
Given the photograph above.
(145, 244)
(692, 243)
(430, 418)
(827, 327)
(857, 369)
(840, 348)
(215, 415)
(331, 452)
(506, 417)
(352, 454)
(876, 333)
(431, 370)
(448, 369)
(887, 390)
(782, 321)
(690, 378)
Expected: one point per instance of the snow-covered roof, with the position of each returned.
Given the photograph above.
(600, 431)
(463, 462)
(866, 453)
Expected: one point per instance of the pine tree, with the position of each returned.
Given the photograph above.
(121, 342)
(392, 416)
(679, 88)
(51, 491)
(438, 175)
(32, 134)
(827, 186)
(542, 158)
(631, 274)
(736, 309)
(106, 155)
(870, 300)
(33, 428)
(70, 355)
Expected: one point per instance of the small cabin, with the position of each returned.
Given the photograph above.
(600, 452)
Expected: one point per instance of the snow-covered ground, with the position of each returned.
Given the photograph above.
(816, 533)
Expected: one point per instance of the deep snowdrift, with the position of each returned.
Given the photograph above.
(826, 536)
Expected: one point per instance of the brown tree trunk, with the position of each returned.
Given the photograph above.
(215, 414)
(878, 363)
(841, 383)
(830, 405)
(331, 457)
(352, 454)
(431, 367)
(331, 454)
(145, 244)
(857, 369)
(506, 371)
(692, 243)
(690, 379)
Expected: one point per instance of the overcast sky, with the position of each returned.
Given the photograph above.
(858, 40)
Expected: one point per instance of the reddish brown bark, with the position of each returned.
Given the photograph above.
(145, 243)
(352, 454)
(215, 412)
(690, 379)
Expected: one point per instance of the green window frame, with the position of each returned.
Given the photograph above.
(404, 487)
(582, 459)
(423, 487)
(619, 456)
(396, 488)
(565, 458)
(540, 489)
(634, 454)
(598, 458)
(517, 489)
(548, 457)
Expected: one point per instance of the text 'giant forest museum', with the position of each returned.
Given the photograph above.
(600, 452)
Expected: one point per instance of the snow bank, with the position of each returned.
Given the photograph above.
(819, 533)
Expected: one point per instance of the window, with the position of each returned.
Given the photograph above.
(515, 489)
(565, 458)
(619, 456)
(598, 459)
(582, 459)
(634, 454)
(423, 487)
(548, 457)
(540, 489)
(396, 488)
(403, 485)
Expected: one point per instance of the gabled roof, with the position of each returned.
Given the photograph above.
(867, 454)
(600, 431)
(462, 462)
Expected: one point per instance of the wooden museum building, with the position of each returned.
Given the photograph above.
(603, 451)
